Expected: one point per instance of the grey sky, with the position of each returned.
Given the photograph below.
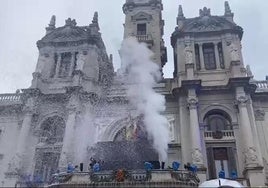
(23, 22)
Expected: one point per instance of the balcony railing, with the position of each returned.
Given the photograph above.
(50, 140)
(10, 98)
(219, 135)
(130, 178)
(262, 86)
(144, 38)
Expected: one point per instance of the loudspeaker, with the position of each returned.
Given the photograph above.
(162, 165)
(81, 167)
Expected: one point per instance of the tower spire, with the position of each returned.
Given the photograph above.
(95, 21)
(52, 24)
(95, 24)
(180, 12)
(227, 11)
(180, 17)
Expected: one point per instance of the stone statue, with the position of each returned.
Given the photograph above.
(234, 51)
(248, 70)
(81, 59)
(188, 53)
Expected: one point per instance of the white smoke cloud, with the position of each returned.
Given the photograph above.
(85, 136)
(141, 75)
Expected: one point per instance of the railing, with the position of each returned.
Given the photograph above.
(262, 86)
(130, 178)
(219, 135)
(50, 140)
(144, 38)
(10, 97)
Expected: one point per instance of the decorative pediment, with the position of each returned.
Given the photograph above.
(207, 23)
(142, 16)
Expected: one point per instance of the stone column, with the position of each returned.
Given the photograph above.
(67, 147)
(250, 151)
(72, 64)
(218, 66)
(202, 62)
(197, 156)
(58, 66)
(15, 166)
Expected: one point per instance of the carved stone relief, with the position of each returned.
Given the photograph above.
(259, 114)
(197, 157)
(234, 52)
(188, 54)
(251, 158)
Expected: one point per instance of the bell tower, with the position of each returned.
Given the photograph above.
(143, 20)
(72, 56)
(208, 47)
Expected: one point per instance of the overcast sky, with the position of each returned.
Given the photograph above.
(23, 22)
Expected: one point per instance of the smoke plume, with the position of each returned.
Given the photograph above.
(141, 74)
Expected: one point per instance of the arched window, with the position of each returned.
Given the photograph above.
(53, 129)
(217, 120)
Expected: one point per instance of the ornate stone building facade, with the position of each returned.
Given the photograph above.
(217, 112)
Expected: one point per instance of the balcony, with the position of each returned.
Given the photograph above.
(224, 135)
(145, 38)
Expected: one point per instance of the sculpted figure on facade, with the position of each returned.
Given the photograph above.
(259, 114)
(251, 157)
(197, 157)
(234, 51)
(81, 59)
(188, 53)
(43, 59)
(192, 102)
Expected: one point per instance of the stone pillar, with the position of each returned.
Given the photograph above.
(202, 62)
(197, 156)
(67, 147)
(189, 71)
(15, 166)
(218, 66)
(58, 66)
(250, 153)
(72, 64)
(253, 169)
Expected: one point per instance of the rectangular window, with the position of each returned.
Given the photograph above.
(197, 57)
(141, 29)
(65, 64)
(209, 56)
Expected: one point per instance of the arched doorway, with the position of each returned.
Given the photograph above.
(221, 148)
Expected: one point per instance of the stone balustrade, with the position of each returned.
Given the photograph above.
(133, 178)
(262, 86)
(50, 140)
(144, 38)
(10, 98)
(219, 135)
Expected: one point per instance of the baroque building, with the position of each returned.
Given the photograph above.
(217, 112)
